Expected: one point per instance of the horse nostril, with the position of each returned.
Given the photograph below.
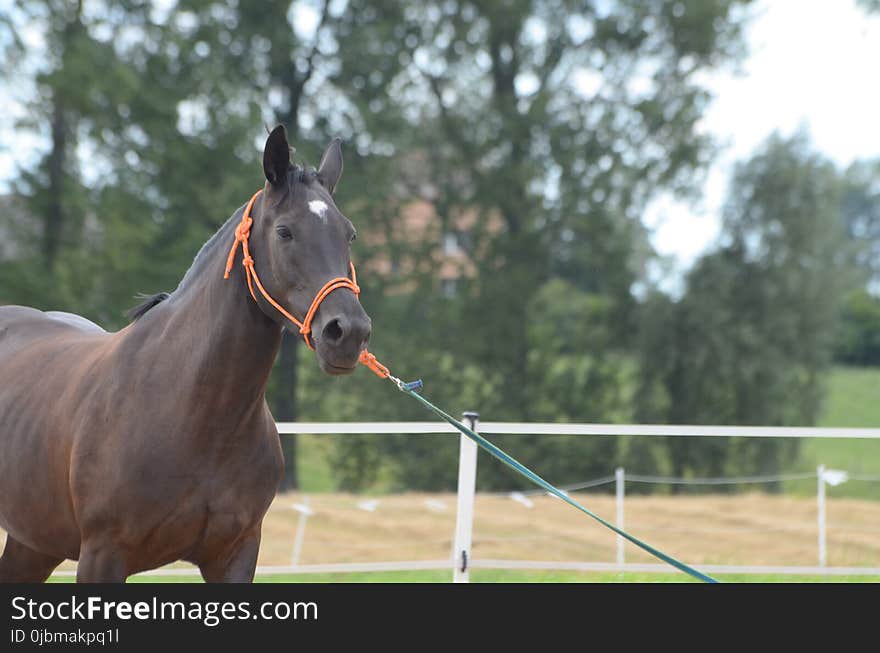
(333, 331)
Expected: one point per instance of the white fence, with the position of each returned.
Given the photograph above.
(461, 560)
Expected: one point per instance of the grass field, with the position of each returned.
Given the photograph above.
(853, 401)
(742, 529)
(853, 398)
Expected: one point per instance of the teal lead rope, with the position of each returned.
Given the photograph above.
(410, 389)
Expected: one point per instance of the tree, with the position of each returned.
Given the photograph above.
(860, 213)
(753, 334)
(52, 188)
(548, 126)
(860, 209)
(73, 111)
(858, 342)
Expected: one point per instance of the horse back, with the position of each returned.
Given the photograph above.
(41, 361)
(20, 325)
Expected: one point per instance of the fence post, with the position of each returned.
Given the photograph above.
(820, 509)
(619, 482)
(300, 532)
(464, 517)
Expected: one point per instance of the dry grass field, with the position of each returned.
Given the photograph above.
(743, 529)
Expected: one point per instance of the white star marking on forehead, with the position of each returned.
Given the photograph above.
(319, 208)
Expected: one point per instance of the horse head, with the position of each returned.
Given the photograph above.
(300, 240)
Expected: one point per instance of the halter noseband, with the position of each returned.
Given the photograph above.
(242, 233)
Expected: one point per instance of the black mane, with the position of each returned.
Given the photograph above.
(296, 175)
(149, 302)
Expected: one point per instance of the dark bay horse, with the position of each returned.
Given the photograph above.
(130, 450)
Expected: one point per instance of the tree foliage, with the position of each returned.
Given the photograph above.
(754, 332)
(858, 342)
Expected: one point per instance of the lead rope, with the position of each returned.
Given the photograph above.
(510, 461)
(242, 233)
(411, 390)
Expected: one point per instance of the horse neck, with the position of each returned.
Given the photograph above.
(216, 331)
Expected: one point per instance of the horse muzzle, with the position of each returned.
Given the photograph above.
(341, 339)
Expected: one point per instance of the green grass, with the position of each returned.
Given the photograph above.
(510, 576)
(853, 397)
(853, 400)
(313, 466)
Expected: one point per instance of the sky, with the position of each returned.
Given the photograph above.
(812, 64)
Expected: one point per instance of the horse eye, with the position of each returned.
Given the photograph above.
(353, 237)
(283, 233)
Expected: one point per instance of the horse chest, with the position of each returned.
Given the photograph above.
(186, 499)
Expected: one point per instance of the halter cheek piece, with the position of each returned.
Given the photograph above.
(242, 233)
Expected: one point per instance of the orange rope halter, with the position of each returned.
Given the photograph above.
(242, 233)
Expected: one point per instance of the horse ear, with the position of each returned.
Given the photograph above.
(330, 169)
(276, 156)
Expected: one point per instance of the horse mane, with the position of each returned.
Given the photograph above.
(296, 174)
(149, 302)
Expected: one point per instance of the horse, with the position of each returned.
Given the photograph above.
(133, 449)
